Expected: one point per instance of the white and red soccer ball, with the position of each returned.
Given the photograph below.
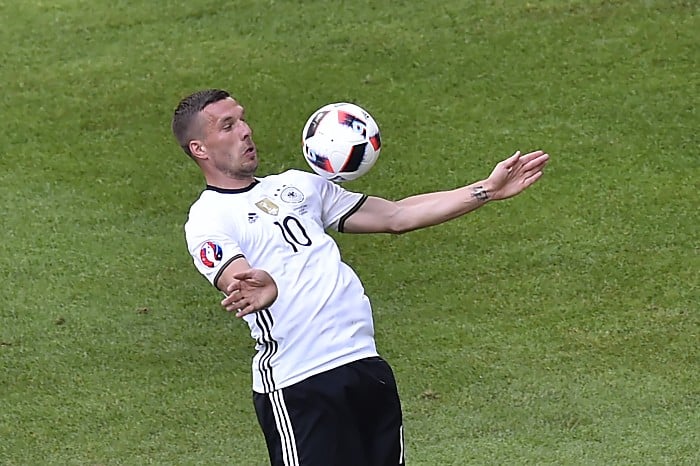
(341, 141)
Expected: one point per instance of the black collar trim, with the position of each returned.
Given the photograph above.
(232, 191)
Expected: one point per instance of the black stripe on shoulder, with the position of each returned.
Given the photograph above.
(222, 268)
(356, 207)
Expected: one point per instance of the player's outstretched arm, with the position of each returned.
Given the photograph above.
(508, 178)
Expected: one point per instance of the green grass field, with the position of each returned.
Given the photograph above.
(558, 328)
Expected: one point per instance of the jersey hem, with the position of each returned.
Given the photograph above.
(317, 370)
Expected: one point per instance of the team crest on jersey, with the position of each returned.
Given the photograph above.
(210, 254)
(292, 195)
(268, 206)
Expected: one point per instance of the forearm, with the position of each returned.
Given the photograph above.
(424, 210)
(379, 215)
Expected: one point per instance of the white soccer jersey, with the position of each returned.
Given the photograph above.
(322, 318)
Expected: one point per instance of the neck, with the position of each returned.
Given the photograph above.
(228, 182)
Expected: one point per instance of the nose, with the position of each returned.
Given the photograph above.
(245, 130)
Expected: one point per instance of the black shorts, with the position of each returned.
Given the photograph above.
(350, 415)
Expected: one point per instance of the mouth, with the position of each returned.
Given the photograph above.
(250, 151)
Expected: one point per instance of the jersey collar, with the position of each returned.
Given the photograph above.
(232, 191)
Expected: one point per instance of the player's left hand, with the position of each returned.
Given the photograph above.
(251, 290)
(516, 173)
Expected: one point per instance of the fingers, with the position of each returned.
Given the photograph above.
(244, 275)
(532, 178)
(240, 277)
(234, 301)
(248, 293)
(534, 163)
(534, 160)
(244, 311)
(239, 303)
(531, 156)
(512, 160)
(537, 156)
(528, 163)
(517, 173)
(233, 286)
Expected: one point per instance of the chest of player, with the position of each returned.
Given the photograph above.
(282, 220)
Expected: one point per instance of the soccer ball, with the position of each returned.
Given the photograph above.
(341, 141)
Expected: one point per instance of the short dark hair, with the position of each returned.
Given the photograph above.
(187, 110)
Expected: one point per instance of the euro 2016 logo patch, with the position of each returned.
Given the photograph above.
(210, 254)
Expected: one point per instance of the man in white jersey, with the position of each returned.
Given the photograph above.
(322, 394)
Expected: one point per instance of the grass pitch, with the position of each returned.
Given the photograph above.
(560, 327)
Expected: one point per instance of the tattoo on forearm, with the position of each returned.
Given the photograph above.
(480, 193)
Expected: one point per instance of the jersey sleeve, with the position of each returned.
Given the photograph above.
(337, 202)
(212, 249)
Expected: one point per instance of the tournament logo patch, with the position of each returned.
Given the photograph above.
(292, 195)
(210, 254)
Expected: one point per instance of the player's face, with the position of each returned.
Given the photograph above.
(228, 140)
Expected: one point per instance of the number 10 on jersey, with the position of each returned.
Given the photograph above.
(293, 232)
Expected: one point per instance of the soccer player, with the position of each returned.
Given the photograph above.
(322, 394)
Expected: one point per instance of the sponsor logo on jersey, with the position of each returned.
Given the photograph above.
(292, 195)
(210, 254)
(268, 206)
(252, 217)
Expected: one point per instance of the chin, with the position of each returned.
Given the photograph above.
(252, 167)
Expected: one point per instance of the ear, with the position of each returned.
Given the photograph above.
(197, 149)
